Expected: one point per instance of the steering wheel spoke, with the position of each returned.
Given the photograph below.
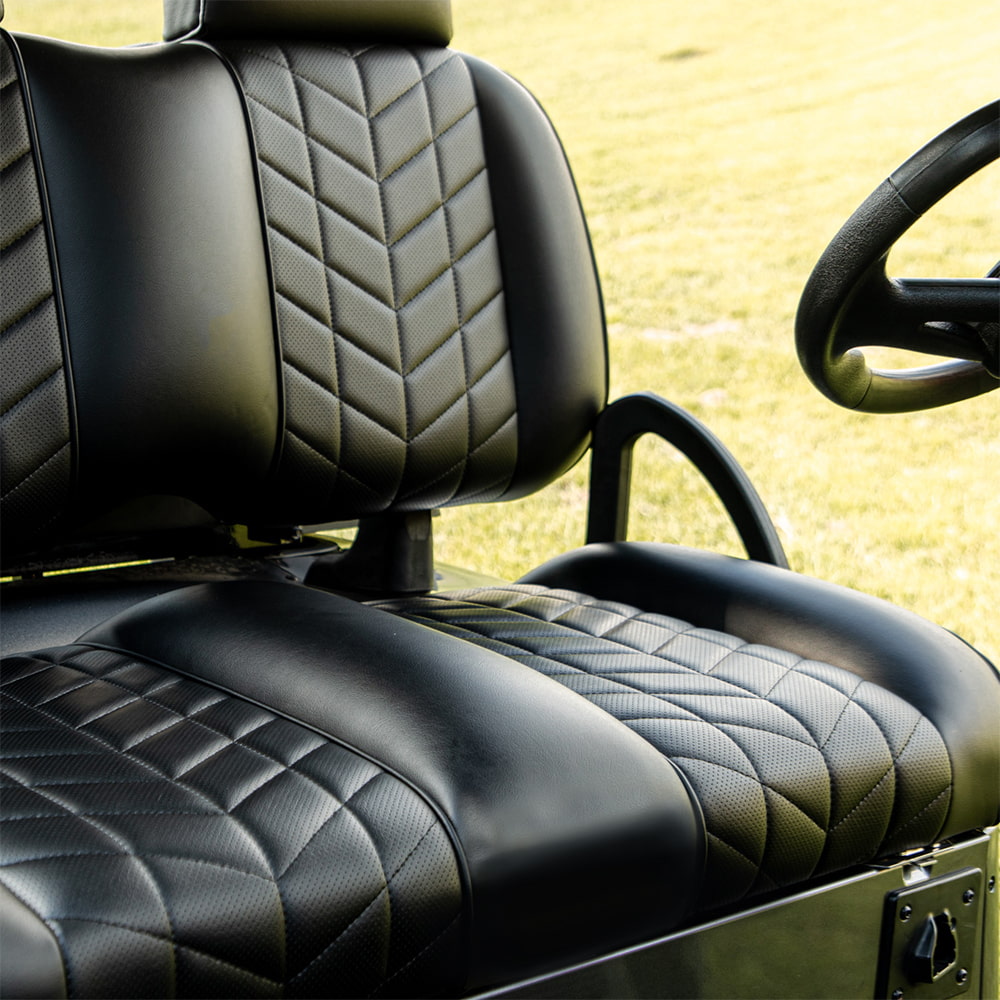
(851, 303)
(929, 315)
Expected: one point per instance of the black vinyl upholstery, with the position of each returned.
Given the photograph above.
(800, 767)
(305, 263)
(36, 420)
(247, 854)
(399, 389)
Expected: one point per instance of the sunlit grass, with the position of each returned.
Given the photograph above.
(718, 147)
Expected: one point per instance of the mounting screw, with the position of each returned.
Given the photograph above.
(992, 884)
(968, 896)
(905, 913)
(962, 976)
(897, 995)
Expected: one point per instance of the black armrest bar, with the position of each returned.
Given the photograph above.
(615, 434)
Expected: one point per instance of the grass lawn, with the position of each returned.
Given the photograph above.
(718, 146)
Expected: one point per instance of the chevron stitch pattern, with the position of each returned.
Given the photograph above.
(34, 410)
(398, 380)
(768, 741)
(308, 862)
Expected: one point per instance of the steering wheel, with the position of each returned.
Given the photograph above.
(849, 302)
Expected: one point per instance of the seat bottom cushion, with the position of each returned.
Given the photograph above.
(293, 794)
(179, 841)
(800, 767)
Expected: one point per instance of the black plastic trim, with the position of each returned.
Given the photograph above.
(621, 425)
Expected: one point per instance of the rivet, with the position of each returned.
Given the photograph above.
(962, 976)
(992, 884)
(897, 995)
(905, 913)
(968, 896)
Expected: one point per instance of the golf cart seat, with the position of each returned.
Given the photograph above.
(304, 264)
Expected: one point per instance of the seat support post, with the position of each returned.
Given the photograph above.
(392, 554)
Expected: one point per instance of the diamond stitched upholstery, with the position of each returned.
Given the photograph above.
(180, 838)
(35, 452)
(800, 767)
(397, 372)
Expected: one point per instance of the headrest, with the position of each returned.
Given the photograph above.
(407, 22)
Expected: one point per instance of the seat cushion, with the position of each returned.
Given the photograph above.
(178, 840)
(266, 770)
(800, 767)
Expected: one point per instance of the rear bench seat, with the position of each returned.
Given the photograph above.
(265, 269)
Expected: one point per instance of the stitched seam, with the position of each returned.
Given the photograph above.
(329, 294)
(114, 837)
(41, 663)
(286, 66)
(345, 404)
(465, 394)
(341, 807)
(360, 171)
(699, 718)
(178, 779)
(152, 768)
(891, 769)
(175, 946)
(755, 776)
(878, 784)
(377, 361)
(24, 233)
(374, 237)
(896, 831)
(350, 53)
(31, 475)
(436, 137)
(574, 669)
(343, 473)
(145, 854)
(400, 473)
(849, 700)
(179, 719)
(385, 982)
(422, 82)
(445, 270)
(275, 877)
(54, 696)
(732, 847)
(718, 727)
(292, 433)
(284, 295)
(797, 668)
(276, 231)
(385, 887)
(57, 370)
(451, 332)
(488, 486)
(354, 224)
(748, 693)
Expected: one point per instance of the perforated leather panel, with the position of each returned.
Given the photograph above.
(180, 841)
(801, 768)
(397, 373)
(35, 450)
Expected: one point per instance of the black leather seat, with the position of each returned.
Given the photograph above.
(304, 263)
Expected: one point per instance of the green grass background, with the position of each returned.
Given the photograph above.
(718, 146)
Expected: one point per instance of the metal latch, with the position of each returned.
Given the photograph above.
(932, 938)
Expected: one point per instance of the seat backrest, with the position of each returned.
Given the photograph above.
(289, 281)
